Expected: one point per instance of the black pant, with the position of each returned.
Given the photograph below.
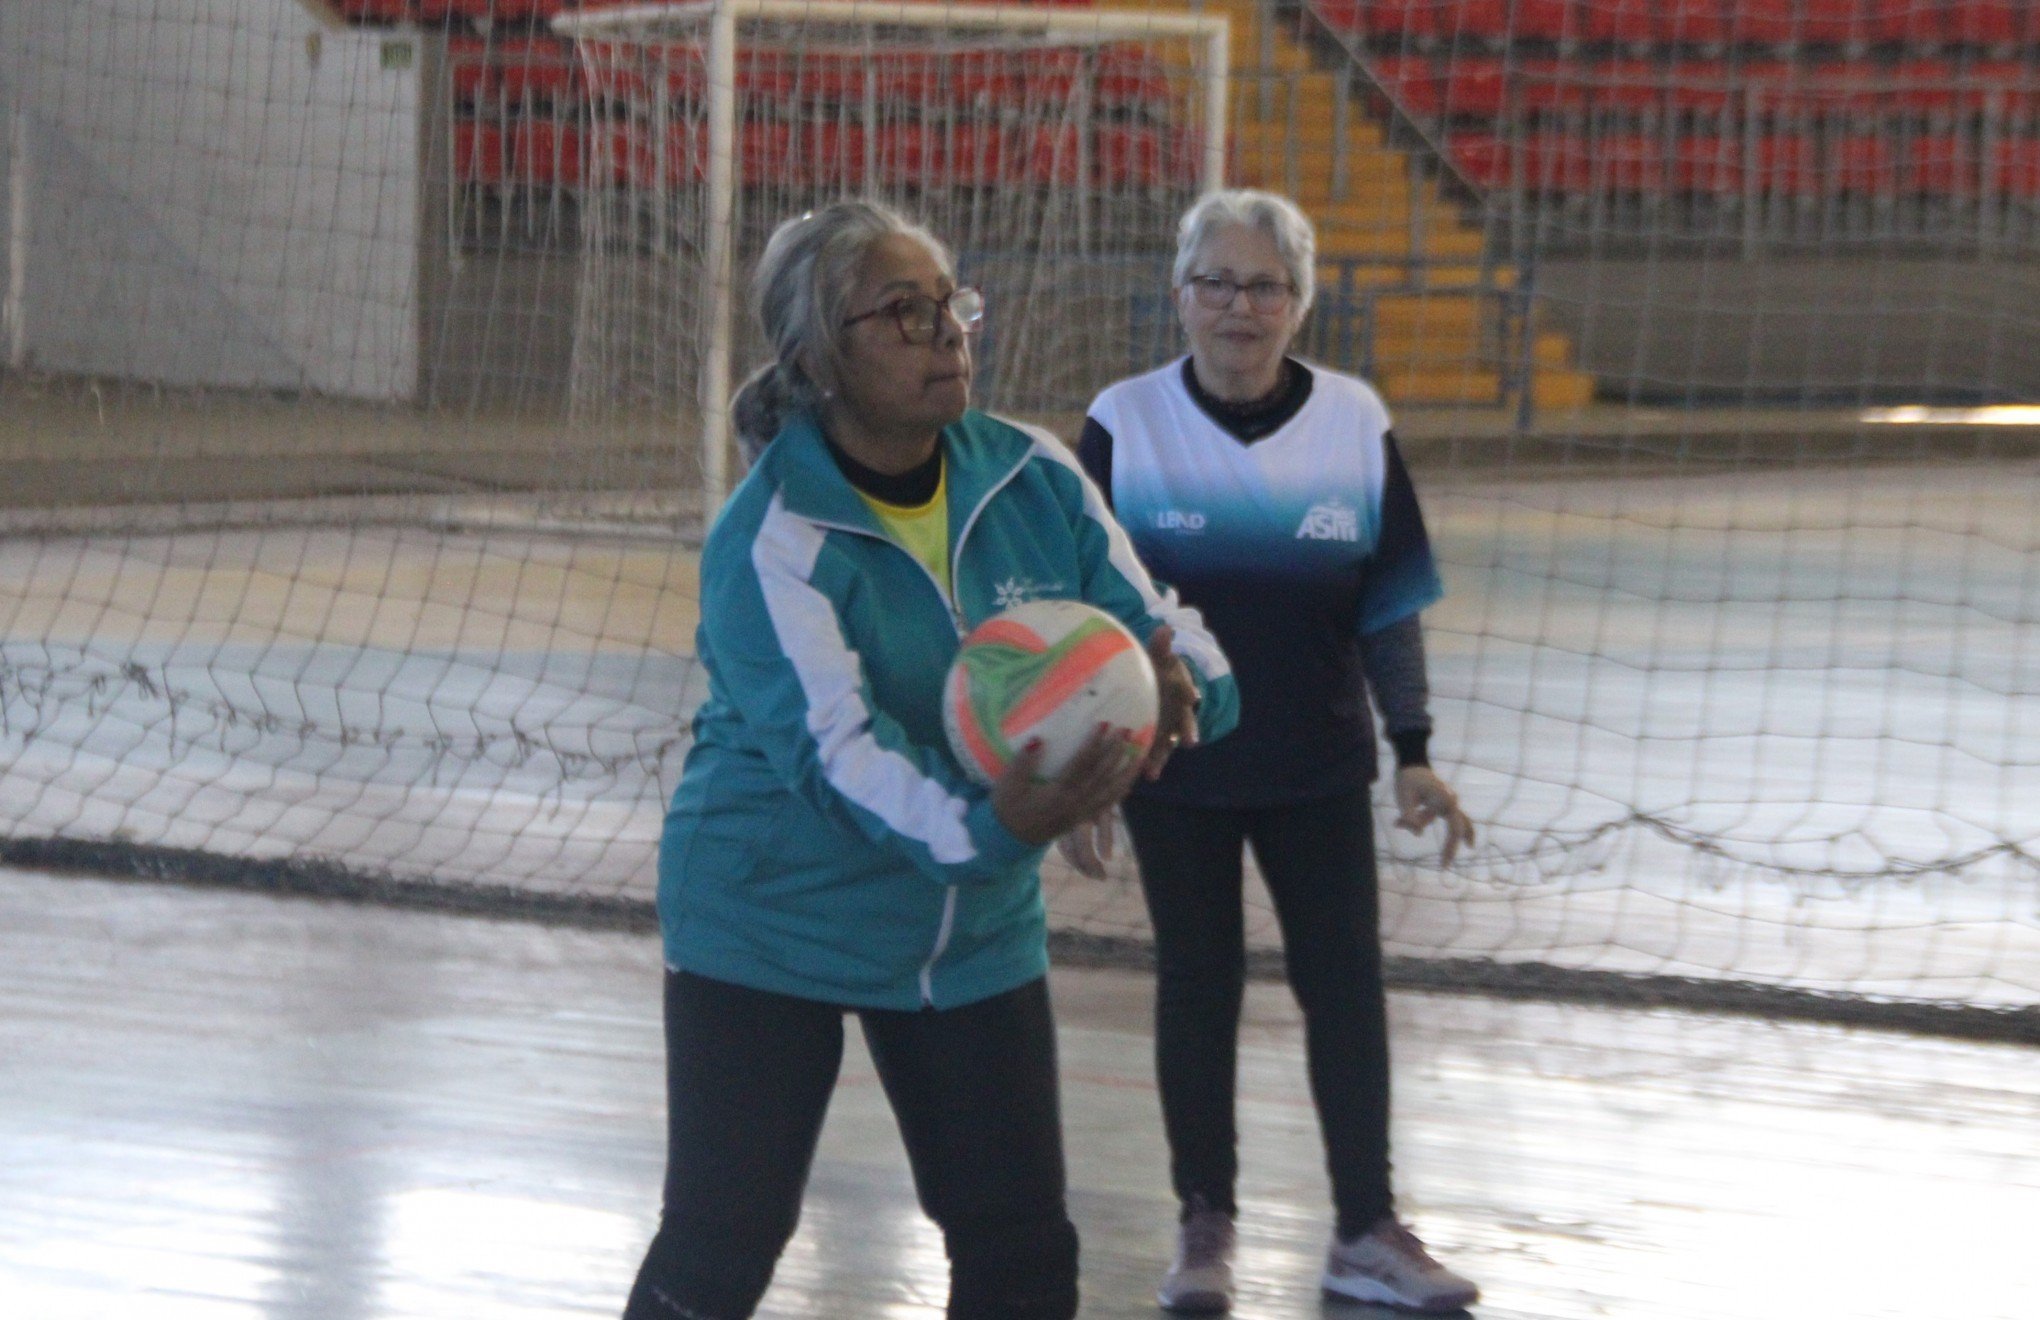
(749, 1074)
(1318, 860)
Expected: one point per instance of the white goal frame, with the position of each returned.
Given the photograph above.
(1063, 24)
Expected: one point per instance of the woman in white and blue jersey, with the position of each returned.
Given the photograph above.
(1268, 492)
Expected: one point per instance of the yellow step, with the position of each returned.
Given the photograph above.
(1377, 246)
(1561, 389)
(1368, 276)
(1479, 386)
(1449, 349)
(1470, 385)
(1553, 348)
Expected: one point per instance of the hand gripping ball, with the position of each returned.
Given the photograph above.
(1048, 669)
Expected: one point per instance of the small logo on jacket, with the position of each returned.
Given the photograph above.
(1018, 591)
(1179, 520)
(1330, 522)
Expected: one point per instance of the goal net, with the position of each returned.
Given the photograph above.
(365, 364)
(1050, 148)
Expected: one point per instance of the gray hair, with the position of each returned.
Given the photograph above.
(1271, 213)
(800, 294)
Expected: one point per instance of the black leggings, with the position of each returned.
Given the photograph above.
(748, 1076)
(1318, 860)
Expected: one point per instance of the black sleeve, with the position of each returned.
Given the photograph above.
(1393, 658)
(1094, 451)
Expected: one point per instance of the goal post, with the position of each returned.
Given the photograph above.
(720, 28)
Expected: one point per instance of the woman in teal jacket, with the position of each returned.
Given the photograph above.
(825, 852)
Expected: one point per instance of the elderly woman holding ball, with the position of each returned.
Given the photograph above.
(825, 852)
(1269, 492)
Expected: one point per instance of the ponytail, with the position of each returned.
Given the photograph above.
(761, 407)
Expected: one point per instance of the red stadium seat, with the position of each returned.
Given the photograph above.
(975, 155)
(2004, 86)
(825, 155)
(1695, 22)
(548, 154)
(1558, 163)
(1709, 164)
(1342, 16)
(1861, 165)
(1049, 76)
(1630, 163)
(1917, 23)
(379, 11)
(1924, 86)
(1992, 22)
(613, 75)
(1848, 87)
(908, 152)
(1415, 83)
(1052, 155)
(1476, 20)
(1701, 87)
(631, 157)
(1627, 22)
(1550, 86)
(1130, 79)
(1407, 20)
(1482, 159)
(1547, 20)
(983, 76)
(2015, 168)
(1941, 167)
(538, 67)
(515, 11)
(474, 76)
(1835, 22)
(1629, 86)
(1478, 88)
(1787, 167)
(1122, 155)
(478, 155)
(1765, 22)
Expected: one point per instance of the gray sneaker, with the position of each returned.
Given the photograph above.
(1388, 1266)
(1200, 1281)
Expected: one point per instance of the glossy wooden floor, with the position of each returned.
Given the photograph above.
(218, 1105)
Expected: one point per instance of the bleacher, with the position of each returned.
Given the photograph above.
(1883, 108)
(530, 115)
(1411, 296)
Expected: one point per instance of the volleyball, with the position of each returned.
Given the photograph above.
(1047, 669)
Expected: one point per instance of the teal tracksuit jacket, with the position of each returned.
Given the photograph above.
(823, 842)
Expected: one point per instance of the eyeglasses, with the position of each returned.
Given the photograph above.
(1215, 293)
(917, 314)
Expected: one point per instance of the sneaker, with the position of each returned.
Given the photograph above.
(1387, 1265)
(1200, 1281)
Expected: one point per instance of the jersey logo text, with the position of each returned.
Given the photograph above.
(1329, 522)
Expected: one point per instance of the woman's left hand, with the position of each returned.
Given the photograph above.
(1176, 725)
(1420, 798)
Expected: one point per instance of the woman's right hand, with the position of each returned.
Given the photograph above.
(1038, 811)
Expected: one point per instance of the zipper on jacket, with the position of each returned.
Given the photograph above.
(956, 559)
(947, 598)
(941, 943)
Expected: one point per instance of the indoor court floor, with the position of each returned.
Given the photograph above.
(222, 1105)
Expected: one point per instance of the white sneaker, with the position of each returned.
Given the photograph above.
(1387, 1265)
(1200, 1281)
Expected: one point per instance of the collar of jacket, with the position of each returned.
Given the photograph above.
(981, 454)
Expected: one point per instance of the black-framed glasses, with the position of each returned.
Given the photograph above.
(917, 314)
(1216, 293)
